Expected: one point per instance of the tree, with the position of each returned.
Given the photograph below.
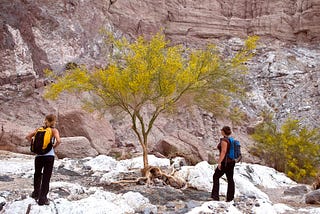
(293, 149)
(154, 74)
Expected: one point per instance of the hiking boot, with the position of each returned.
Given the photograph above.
(34, 195)
(43, 202)
(229, 200)
(215, 198)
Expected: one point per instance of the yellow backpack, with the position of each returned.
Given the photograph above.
(42, 141)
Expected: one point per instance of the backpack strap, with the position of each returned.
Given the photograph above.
(52, 137)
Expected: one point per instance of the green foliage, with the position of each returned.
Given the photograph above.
(154, 73)
(293, 149)
(237, 116)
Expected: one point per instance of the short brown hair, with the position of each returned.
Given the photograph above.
(226, 130)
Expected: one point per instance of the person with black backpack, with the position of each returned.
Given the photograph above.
(48, 138)
(225, 166)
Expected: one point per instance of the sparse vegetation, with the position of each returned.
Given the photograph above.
(237, 116)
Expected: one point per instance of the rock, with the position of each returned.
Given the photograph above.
(12, 138)
(53, 43)
(178, 162)
(182, 144)
(98, 131)
(296, 190)
(192, 22)
(6, 178)
(313, 197)
(75, 147)
(75, 187)
(2, 203)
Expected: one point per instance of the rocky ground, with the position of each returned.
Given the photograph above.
(167, 199)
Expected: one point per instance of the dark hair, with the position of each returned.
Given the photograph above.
(226, 130)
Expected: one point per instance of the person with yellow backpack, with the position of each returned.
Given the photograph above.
(43, 140)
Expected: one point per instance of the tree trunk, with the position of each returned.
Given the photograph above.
(145, 157)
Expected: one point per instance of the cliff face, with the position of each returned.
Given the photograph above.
(284, 76)
(35, 35)
(195, 21)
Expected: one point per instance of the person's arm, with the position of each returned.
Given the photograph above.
(56, 134)
(224, 146)
(30, 135)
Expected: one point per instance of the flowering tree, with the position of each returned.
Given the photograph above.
(154, 73)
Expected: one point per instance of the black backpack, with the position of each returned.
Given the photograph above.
(42, 141)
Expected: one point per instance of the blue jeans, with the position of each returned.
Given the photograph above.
(227, 169)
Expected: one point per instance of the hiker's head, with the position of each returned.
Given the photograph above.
(50, 120)
(226, 130)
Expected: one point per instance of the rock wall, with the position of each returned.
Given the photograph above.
(35, 35)
(198, 21)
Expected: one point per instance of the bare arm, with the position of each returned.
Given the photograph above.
(224, 147)
(30, 135)
(56, 134)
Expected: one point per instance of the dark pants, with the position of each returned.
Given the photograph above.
(228, 169)
(43, 171)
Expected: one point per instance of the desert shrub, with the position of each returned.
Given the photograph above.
(292, 149)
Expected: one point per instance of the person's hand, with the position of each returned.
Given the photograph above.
(219, 166)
